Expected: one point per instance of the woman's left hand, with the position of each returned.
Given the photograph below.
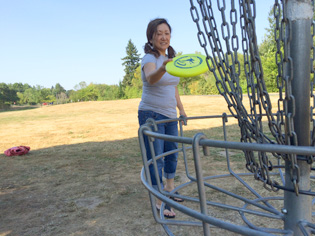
(183, 113)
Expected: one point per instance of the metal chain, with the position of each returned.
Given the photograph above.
(279, 125)
(289, 101)
(256, 88)
(225, 65)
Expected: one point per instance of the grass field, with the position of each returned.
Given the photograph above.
(82, 175)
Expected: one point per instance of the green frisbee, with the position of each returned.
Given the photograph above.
(187, 65)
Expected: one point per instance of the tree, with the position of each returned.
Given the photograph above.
(135, 90)
(7, 95)
(29, 96)
(81, 85)
(88, 93)
(186, 82)
(58, 89)
(44, 95)
(19, 87)
(268, 50)
(120, 90)
(107, 92)
(205, 85)
(60, 94)
(61, 98)
(131, 62)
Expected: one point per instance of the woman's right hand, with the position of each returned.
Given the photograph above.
(165, 62)
(152, 74)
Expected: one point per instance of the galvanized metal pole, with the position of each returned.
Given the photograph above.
(200, 181)
(300, 15)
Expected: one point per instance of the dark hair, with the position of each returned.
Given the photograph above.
(151, 30)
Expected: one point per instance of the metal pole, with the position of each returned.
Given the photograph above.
(200, 181)
(298, 207)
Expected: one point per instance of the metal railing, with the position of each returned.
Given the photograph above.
(254, 204)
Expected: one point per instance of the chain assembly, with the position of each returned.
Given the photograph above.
(219, 38)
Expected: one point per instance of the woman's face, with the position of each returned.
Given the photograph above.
(161, 39)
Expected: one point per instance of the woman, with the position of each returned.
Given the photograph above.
(160, 98)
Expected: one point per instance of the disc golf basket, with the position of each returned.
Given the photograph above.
(274, 194)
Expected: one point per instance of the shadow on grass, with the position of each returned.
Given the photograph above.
(80, 189)
(19, 108)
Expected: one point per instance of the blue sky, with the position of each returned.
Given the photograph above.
(44, 42)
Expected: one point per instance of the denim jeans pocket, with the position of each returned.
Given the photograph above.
(144, 115)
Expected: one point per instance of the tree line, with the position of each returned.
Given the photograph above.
(21, 94)
(131, 85)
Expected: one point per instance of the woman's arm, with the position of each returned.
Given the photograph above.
(152, 74)
(179, 104)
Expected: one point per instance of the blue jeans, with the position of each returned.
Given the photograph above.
(169, 163)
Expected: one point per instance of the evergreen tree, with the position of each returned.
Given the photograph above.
(58, 89)
(269, 45)
(131, 62)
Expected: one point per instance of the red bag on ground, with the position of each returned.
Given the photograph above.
(17, 151)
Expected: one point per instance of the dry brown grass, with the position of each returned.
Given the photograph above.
(82, 175)
(50, 126)
(82, 122)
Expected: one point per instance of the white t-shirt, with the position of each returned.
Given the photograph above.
(159, 97)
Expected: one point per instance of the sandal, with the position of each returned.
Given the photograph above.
(177, 199)
(167, 207)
